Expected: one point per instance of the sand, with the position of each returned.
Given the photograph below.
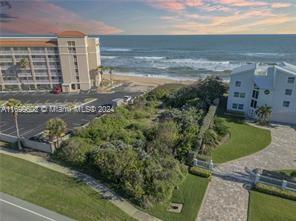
(142, 83)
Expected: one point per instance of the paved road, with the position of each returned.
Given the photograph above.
(32, 124)
(14, 209)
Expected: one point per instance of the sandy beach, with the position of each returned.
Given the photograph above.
(142, 83)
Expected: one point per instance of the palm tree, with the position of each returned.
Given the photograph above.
(110, 73)
(101, 70)
(263, 114)
(13, 105)
(23, 64)
(56, 128)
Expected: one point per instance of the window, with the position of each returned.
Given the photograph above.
(240, 106)
(71, 43)
(286, 103)
(255, 94)
(236, 94)
(73, 86)
(291, 80)
(234, 106)
(238, 83)
(78, 86)
(242, 95)
(253, 103)
(288, 92)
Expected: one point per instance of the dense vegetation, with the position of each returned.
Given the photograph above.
(55, 191)
(141, 148)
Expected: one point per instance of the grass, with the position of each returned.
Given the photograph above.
(55, 191)
(244, 140)
(264, 207)
(190, 193)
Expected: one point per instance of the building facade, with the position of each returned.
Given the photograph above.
(255, 85)
(68, 59)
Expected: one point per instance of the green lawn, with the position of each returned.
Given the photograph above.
(263, 207)
(190, 193)
(244, 140)
(55, 191)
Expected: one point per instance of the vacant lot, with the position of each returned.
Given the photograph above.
(190, 193)
(55, 191)
(244, 140)
(264, 207)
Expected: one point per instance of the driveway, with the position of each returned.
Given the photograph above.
(227, 197)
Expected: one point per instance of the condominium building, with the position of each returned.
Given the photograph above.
(68, 59)
(255, 85)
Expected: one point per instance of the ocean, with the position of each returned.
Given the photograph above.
(193, 57)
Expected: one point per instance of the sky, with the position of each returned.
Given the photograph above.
(144, 17)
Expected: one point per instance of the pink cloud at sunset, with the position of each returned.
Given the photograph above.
(39, 17)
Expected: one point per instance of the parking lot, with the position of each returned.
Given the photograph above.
(31, 124)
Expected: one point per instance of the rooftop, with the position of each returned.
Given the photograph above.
(71, 34)
(28, 43)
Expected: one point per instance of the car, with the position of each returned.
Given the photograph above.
(127, 99)
(57, 90)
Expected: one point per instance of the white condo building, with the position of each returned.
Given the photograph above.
(254, 85)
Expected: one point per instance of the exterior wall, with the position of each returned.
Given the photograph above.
(279, 112)
(42, 71)
(51, 64)
(246, 79)
(279, 78)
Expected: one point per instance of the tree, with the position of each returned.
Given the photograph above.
(263, 114)
(23, 64)
(110, 74)
(13, 105)
(101, 70)
(56, 128)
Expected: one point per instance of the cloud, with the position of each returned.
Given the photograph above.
(242, 3)
(171, 5)
(40, 17)
(257, 21)
(280, 5)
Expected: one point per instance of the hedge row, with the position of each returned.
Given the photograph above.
(200, 172)
(276, 191)
(208, 119)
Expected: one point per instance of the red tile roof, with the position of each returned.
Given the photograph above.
(71, 34)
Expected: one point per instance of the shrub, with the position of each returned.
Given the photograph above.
(74, 151)
(200, 172)
(276, 191)
(219, 127)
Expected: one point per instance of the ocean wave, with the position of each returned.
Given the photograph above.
(149, 57)
(108, 57)
(116, 49)
(264, 54)
(202, 64)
